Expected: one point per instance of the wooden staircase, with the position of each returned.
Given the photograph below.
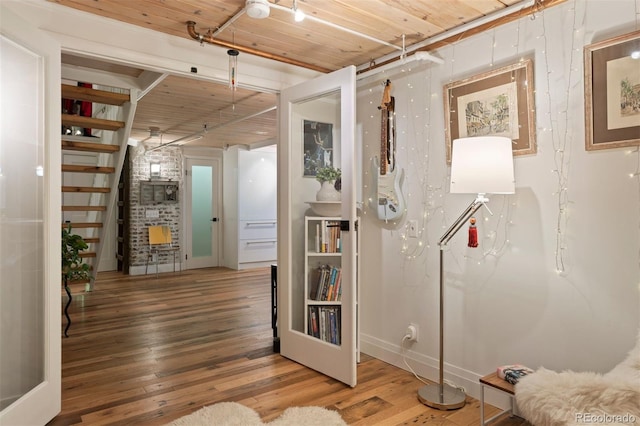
(89, 206)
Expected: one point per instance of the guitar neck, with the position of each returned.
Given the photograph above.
(384, 132)
(386, 129)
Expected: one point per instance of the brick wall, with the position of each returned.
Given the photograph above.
(170, 159)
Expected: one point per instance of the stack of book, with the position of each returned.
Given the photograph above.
(324, 323)
(326, 284)
(328, 237)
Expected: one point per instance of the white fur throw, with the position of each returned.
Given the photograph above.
(548, 398)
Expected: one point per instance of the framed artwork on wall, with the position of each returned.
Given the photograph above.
(318, 146)
(612, 92)
(497, 103)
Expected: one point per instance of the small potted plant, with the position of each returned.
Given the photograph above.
(73, 267)
(327, 174)
(327, 177)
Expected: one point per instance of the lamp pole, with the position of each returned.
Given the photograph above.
(441, 395)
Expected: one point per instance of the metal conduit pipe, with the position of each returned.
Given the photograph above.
(207, 38)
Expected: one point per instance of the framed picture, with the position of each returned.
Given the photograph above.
(496, 103)
(318, 146)
(612, 92)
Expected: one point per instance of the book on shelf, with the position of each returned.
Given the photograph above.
(324, 323)
(327, 237)
(313, 328)
(325, 283)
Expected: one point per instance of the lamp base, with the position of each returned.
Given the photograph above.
(442, 397)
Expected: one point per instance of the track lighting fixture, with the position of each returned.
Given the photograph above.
(298, 14)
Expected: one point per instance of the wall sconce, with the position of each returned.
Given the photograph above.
(154, 171)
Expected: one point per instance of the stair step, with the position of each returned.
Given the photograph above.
(90, 267)
(84, 189)
(88, 146)
(79, 281)
(84, 208)
(94, 95)
(91, 240)
(77, 225)
(87, 169)
(87, 254)
(91, 122)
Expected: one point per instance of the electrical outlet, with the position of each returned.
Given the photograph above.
(413, 229)
(412, 332)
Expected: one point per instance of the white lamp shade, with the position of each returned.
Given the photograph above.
(482, 165)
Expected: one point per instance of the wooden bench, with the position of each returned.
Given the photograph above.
(493, 381)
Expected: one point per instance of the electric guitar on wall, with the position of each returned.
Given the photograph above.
(387, 200)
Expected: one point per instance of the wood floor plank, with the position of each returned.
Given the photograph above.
(147, 350)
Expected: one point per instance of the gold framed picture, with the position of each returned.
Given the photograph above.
(497, 103)
(612, 92)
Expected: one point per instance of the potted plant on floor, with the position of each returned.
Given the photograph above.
(73, 266)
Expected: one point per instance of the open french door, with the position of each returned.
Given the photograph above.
(30, 220)
(317, 128)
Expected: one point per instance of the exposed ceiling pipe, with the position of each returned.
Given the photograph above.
(508, 14)
(201, 133)
(208, 38)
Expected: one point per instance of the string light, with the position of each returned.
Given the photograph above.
(636, 175)
(418, 167)
(559, 132)
(637, 150)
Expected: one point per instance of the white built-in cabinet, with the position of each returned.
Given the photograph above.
(250, 208)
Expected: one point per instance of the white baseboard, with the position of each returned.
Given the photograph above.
(251, 265)
(165, 267)
(428, 368)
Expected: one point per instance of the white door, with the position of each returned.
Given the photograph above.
(30, 220)
(322, 111)
(202, 222)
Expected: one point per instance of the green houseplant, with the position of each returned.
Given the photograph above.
(328, 174)
(327, 177)
(73, 267)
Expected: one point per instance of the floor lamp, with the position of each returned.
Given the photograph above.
(479, 165)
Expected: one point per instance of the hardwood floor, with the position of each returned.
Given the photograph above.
(147, 350)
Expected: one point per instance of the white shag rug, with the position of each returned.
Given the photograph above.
(234, 414)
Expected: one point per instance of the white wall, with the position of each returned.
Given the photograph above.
(504, 301)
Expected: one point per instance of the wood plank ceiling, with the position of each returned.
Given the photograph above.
(181, 106)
